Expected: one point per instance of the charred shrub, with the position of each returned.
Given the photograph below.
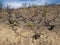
(36, 36)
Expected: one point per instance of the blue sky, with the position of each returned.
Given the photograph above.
(18, 3)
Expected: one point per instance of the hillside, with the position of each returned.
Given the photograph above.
(36, 25)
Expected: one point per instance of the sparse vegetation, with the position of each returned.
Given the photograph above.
(37, 19)
(30, 24)
(44, 13)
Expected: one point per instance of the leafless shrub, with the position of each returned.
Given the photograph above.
(24, 5)
(46, 21)
(36, 36)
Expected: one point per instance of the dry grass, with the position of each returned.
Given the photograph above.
(18, 33)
